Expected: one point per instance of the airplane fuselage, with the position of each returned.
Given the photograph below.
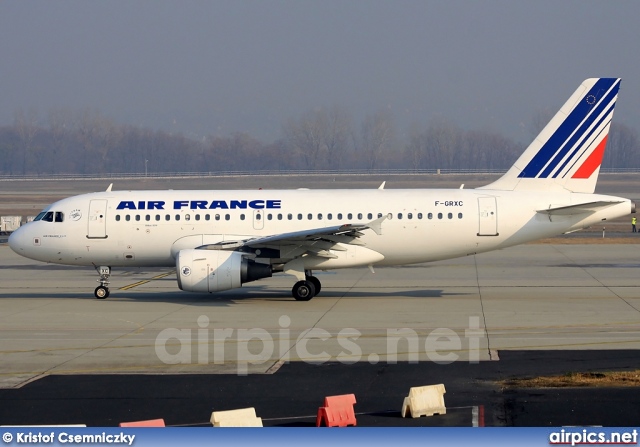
(149, 228)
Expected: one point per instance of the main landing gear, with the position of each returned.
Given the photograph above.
(102, 291)
(306, 289)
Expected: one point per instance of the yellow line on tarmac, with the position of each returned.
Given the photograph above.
(139, 283)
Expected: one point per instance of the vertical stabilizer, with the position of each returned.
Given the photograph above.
(568, 152)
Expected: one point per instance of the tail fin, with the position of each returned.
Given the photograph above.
(568, 152)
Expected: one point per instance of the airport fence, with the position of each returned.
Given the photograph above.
(266, 173)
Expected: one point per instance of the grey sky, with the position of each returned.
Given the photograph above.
(215, 67)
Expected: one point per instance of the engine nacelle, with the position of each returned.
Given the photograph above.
(216, 270)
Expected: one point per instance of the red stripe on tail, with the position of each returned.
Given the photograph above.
(592, 162)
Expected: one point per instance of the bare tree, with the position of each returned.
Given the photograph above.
(337, 136)
(60, 125)
(377, 137)
(320, 138)
(415, 149)
(27, 128)
(623, 147)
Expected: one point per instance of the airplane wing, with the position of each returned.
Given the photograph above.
(317, 241)
(581, 208)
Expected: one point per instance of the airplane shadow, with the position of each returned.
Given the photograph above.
(229, 298)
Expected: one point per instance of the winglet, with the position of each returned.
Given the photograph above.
(109, 188)
(376, 225)
(382, 186)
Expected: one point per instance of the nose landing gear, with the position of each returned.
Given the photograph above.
(102, 291)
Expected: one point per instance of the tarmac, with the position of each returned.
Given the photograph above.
(151, 350)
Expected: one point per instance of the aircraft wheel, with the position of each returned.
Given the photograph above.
(303, 290)
(101, 292)
(316, 284)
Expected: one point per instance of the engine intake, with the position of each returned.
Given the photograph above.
(216, 270)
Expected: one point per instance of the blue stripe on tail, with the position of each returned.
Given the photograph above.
(584, 109)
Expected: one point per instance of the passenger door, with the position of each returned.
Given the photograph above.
(97, 219)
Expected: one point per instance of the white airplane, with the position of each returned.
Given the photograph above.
(219, 240)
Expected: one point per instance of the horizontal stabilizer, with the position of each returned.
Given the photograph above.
(580, 208)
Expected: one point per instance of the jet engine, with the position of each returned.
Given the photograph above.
(216, 270)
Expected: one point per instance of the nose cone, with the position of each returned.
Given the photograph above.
(17, 241)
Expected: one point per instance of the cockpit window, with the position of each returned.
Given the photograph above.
(50, 216)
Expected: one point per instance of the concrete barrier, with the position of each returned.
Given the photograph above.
(149, 423)
(337, 411)
(424, 401)
(244, 417)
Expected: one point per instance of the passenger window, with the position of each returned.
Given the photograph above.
(241, 216)
(419, 215)
(147, 217)
(197, 216)
(279, 216)
(138, 217)
(187, 217)
(227, 217)
(217, 216)
(399, 215)
(329, 216)
(409, 215)
(177, 217)
(157, 216)
(379, 215)
(430, 216)
(309, 216)
(207, 217)
(167, 217)
(369, 216)
(290, 216)
(299, 216)
(450, 215)
(359, 216)
(349, 216)
(459, 215)
(258, 216)
(319, 216)
(439, 215)
(339, 216)
(127, 218)
(269, 216)
(118, 218)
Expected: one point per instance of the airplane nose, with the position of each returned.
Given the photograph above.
(16, 241)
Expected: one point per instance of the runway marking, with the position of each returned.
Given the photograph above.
(275, 367)
(144, 281)
(477, 416)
